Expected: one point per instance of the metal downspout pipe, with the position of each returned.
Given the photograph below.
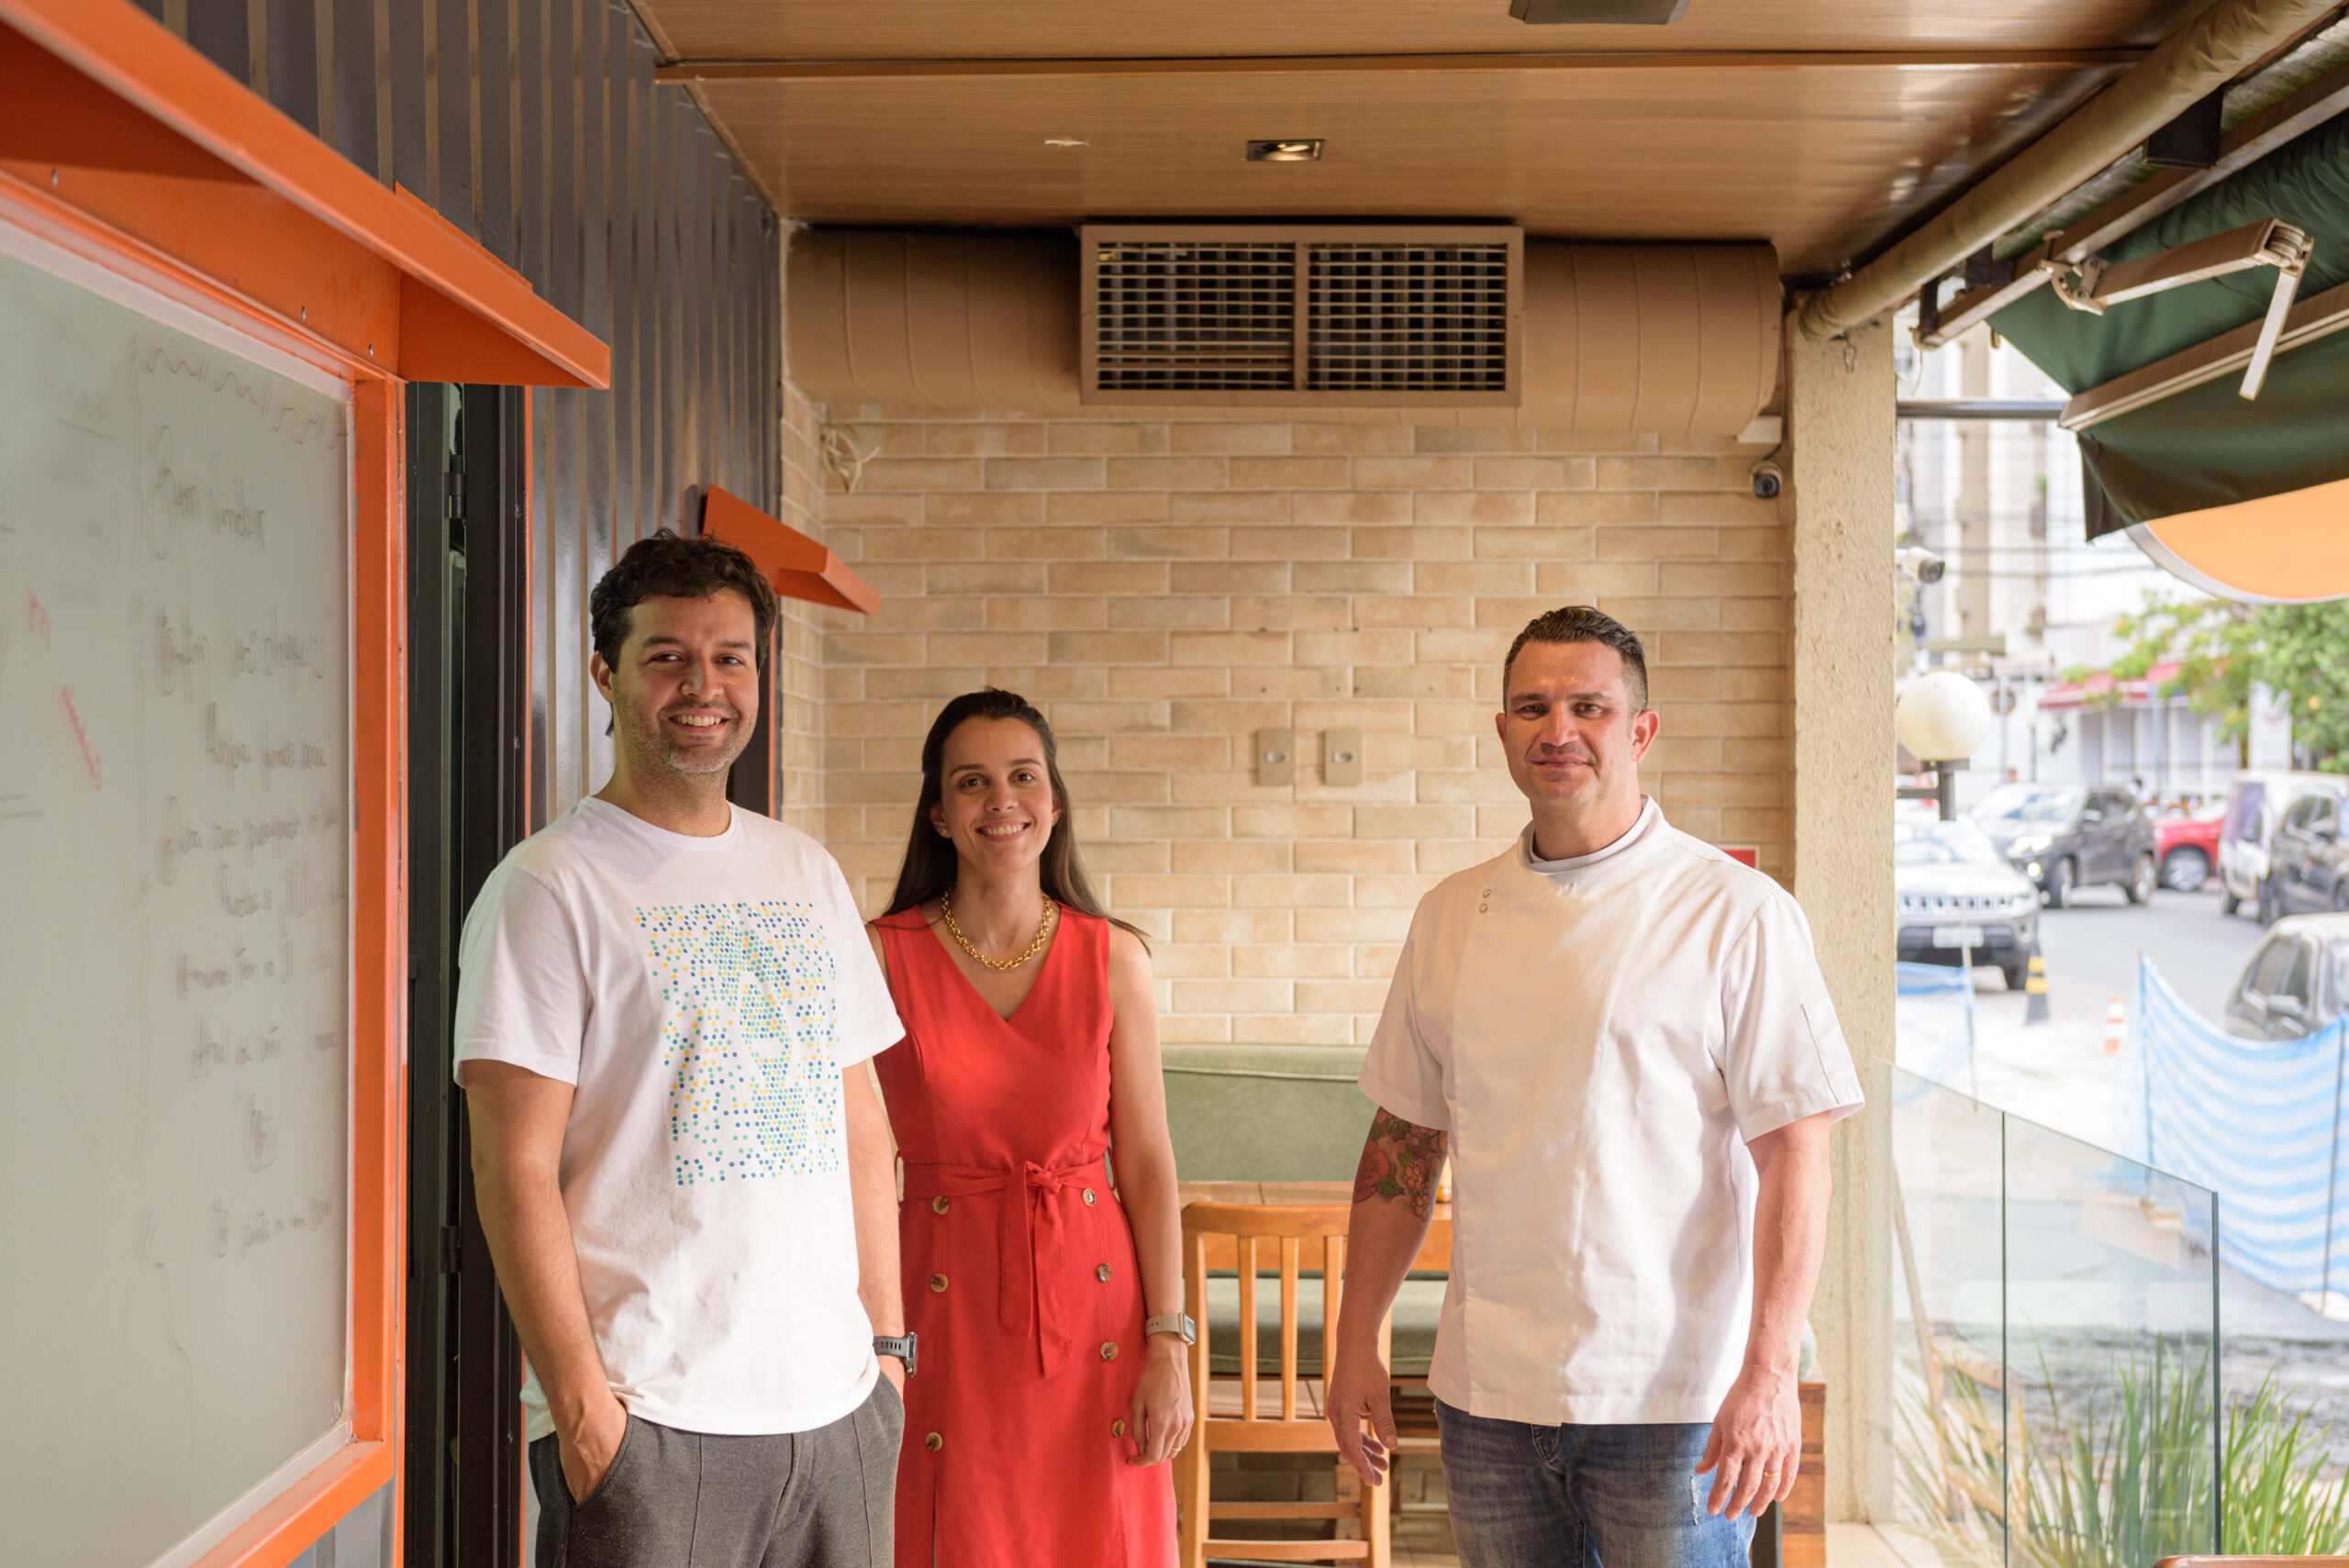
(2204, 55)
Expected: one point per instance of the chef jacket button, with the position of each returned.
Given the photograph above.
(1109, 1351)
(933, 1443)
(1088, 1197)
(938, 1281)
(1102, 1273)
(1118, 1429)
(938, 1205)
(1481, 909)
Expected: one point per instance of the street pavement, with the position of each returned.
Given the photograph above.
(2059, 1075)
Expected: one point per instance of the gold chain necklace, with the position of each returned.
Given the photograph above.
(1044, 930)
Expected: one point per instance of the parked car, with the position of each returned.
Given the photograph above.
(2257, 802)
(2307, 864)
(2297, 982)
(2188, 848)
(1958, 900)
(2064, 837)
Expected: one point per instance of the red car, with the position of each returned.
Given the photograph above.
(2188, 848)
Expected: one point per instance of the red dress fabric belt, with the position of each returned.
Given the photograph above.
(1023, 1308)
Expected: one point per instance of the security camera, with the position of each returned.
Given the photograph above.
(1922, 564)
(1767, 481)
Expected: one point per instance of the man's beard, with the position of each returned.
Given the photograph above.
(655, 744)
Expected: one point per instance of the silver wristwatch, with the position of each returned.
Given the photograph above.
(1171, 1323)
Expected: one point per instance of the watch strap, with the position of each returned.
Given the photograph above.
(1171, 1323)
(898, 1345)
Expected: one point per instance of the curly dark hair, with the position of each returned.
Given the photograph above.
(666, 565)
(1585, 623)
(931, 862)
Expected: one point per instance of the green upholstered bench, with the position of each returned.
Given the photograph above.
(1417, 1307)
(1281, 1113)
(1266, 1113)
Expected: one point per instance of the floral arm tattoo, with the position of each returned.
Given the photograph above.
(1401, 1160)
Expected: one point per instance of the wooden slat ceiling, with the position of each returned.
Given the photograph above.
(1826, 126)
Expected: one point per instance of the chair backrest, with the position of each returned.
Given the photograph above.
(1289, 1240)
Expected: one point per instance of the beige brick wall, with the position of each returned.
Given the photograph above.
(1163, 589)
(799, 679)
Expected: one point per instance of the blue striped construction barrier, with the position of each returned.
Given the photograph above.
(2260, 1122)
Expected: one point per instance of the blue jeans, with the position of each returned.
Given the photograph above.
(1526, 1496)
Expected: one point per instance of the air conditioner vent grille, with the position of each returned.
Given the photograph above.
(1431, 318)
(1396, 315)
(1195, 317)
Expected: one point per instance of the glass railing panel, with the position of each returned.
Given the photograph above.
(1948, 1432)
(2112, 1361)
(2054, 1345)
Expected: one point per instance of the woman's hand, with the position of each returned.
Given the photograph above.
(1160, 1423)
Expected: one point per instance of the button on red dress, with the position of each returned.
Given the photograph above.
(1020, 1274)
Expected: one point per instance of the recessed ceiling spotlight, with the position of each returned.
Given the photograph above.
(1288, 149)
(1065, 141)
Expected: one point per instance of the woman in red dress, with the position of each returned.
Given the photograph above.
(1046, 1304)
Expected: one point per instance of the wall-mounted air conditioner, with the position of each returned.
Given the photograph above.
(1298, 316)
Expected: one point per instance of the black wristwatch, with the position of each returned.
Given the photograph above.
(898, 1345)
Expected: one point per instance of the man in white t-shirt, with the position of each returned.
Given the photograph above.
(664, 1016)
(1621, 1038)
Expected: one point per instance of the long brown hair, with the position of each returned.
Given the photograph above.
(930, 864)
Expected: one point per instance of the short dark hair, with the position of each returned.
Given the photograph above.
(1585, 623)
(666, 565)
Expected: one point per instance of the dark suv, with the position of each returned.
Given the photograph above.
(2307, 864)
(2063, 837)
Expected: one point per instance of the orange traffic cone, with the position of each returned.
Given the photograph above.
(2116, 1027)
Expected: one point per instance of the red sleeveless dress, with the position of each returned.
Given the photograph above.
(1019, 1272)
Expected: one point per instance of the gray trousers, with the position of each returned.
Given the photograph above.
(674, 1499)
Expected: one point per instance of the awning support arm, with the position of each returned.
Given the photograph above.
(2095, 284)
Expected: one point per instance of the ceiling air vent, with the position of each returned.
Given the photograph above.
(1298, 316)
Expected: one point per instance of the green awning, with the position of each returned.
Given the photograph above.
(2208, 447)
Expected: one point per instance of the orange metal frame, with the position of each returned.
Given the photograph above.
(798, 566)
(122, 145)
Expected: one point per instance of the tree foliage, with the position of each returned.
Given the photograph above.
(2226, 651)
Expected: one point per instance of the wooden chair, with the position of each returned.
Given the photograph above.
(1236, 1416)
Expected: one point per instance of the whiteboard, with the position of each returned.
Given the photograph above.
(175, 512)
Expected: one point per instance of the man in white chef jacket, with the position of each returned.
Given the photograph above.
(1621, 1038)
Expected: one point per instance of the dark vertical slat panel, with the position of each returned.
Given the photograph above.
(595, 298)
(548, 591)
(562, 289)
(718, 373)
(620, 225)
(755, 338)
(690, 165)
(563, 162)
(354, 82)
(545, 593)
(493, 126)
(452, 191)
(644, 94)
(737, 316)
(293, 44)
(698, 348)
(771, 304)
(411, 164)
(152, 8)
(530, 137)
(220, 30)
(671, 305)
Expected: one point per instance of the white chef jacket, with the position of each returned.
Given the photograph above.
(1601, 1037)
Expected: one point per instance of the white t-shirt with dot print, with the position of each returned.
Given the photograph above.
(703, 995)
